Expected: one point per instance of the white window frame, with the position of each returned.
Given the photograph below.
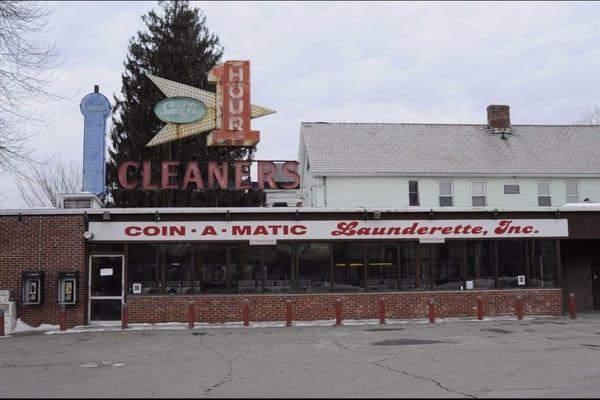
(577, 197)
(549, 195)
(451, 191)
(418, 193)
(482, 181)
(511, 184)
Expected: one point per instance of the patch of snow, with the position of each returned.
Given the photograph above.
(21, 326)
(164, 326)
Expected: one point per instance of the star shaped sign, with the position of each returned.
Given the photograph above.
(174, 131)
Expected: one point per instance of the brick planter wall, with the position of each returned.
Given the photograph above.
(307, 307)
(48, 243)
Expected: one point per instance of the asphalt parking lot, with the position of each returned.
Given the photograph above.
(529, 358)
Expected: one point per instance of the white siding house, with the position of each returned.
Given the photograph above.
(371, 165)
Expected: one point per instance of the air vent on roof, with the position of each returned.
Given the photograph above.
(77, 203)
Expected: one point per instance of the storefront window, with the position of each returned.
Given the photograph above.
(143, 267)
(408, 265)
(542, 269)
(447, 264)
(382, 267)
(210, 265)
(423, 261)
(247, 272)
(179, 272)
(511, 262)
(314, 267)
(278, 263)
(348, 261)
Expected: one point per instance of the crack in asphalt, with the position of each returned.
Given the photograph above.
(228, 375)
(437, 383)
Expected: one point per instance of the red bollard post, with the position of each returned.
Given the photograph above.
(1, 322)
(431, 312)
(338, 312)
(288, 313)
(191, 315)
(124, 316)
(572, 306)
(479, 308)
(520, 308)
(61, 318)
(382, 311)
(246, 313)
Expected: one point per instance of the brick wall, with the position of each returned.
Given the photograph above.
(306, 307)
(43, 243)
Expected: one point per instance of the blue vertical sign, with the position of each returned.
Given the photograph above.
(95, 109)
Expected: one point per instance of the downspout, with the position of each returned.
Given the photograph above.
(325, 190)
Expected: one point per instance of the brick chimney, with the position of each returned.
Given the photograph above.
(498, 117)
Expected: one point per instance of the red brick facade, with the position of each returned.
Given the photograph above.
(53, 243)
(307, 307)
(49, 243)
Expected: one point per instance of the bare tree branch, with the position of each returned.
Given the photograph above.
(591, 118)
(26, 66)
(46, 181)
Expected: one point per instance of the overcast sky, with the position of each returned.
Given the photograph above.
(348, 62)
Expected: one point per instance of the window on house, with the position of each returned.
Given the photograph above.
(413, 193)
(572, 191)
(511, 189)
(446, 193)
(544, 194)
(478, 193)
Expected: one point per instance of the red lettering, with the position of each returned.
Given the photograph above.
(217, 172)
(133, 231)
(192, 175)
(363, 231)
(457, 229)
(241, 230)
(242, 170)
(147, 177)
(177, 230)
(411, 230)
(266, 169)
(298, 229)
(528, 229)
(446, 230)
(422, 231)
(260, 230)
(289, 169)
(345, 228)
(166, 174)
(209, 230)
(151, 231)
(502, 227)
(477, 230)
(396, 230)
(125, 184)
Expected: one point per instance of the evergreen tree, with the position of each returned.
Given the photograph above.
(177, 46)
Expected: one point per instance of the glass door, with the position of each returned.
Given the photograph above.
(106, 288)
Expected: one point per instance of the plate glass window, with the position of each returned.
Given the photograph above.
(511, 189)
(544, 199)
(478, 193)
(572, 191)
(413, 193)
(446, 193)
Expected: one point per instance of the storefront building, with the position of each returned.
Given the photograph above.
(158, 261)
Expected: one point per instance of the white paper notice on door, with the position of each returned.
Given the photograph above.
(106, 271)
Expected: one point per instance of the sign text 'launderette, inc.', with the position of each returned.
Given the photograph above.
(328, 230)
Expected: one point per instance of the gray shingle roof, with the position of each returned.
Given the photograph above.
(372, 149)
